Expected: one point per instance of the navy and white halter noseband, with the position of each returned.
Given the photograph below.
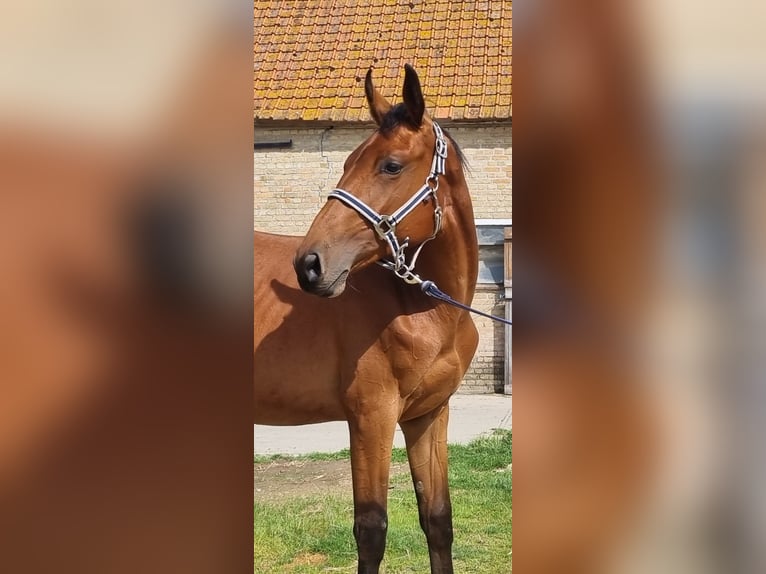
(385, 225)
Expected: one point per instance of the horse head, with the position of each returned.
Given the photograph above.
(392, 173)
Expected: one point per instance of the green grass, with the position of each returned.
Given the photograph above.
(340, 455)
(312, 534)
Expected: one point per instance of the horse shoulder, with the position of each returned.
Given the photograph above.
(427, 355)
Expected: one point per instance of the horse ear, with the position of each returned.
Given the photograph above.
(413, 96)
(378, 104)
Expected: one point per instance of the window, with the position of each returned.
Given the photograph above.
(490, 233)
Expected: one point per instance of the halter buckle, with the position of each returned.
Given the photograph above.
(441, 147)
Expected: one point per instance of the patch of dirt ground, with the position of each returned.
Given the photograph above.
(281, 479)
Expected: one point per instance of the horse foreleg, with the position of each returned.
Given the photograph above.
(426, 439)
(371, 441)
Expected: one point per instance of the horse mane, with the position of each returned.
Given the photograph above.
(398, 115)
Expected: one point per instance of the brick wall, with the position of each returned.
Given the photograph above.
(487, 372)
(291, 185)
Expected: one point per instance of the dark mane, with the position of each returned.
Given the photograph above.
(397, 116)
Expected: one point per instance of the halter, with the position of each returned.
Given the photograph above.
(385, 225)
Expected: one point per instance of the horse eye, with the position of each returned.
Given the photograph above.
(392, 168)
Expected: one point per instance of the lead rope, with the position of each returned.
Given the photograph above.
(385, 227)
(430, 289)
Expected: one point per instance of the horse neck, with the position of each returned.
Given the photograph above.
(451, 259)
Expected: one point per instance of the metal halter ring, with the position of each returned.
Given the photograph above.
(385, 225)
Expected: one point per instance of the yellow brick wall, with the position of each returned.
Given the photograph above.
(291, 185)
(487, 372)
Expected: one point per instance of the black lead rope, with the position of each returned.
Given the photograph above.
(430, 289)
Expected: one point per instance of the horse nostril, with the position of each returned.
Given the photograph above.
(313, 267)
(309, 270)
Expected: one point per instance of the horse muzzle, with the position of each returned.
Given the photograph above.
(316, 278)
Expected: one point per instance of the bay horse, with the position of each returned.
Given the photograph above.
(338, 337)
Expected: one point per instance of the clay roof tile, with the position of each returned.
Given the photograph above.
(310, 57)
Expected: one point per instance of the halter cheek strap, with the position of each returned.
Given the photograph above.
(385, 225)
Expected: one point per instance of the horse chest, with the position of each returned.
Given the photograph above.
(422, 362)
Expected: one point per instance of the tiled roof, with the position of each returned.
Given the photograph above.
(311, 56)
